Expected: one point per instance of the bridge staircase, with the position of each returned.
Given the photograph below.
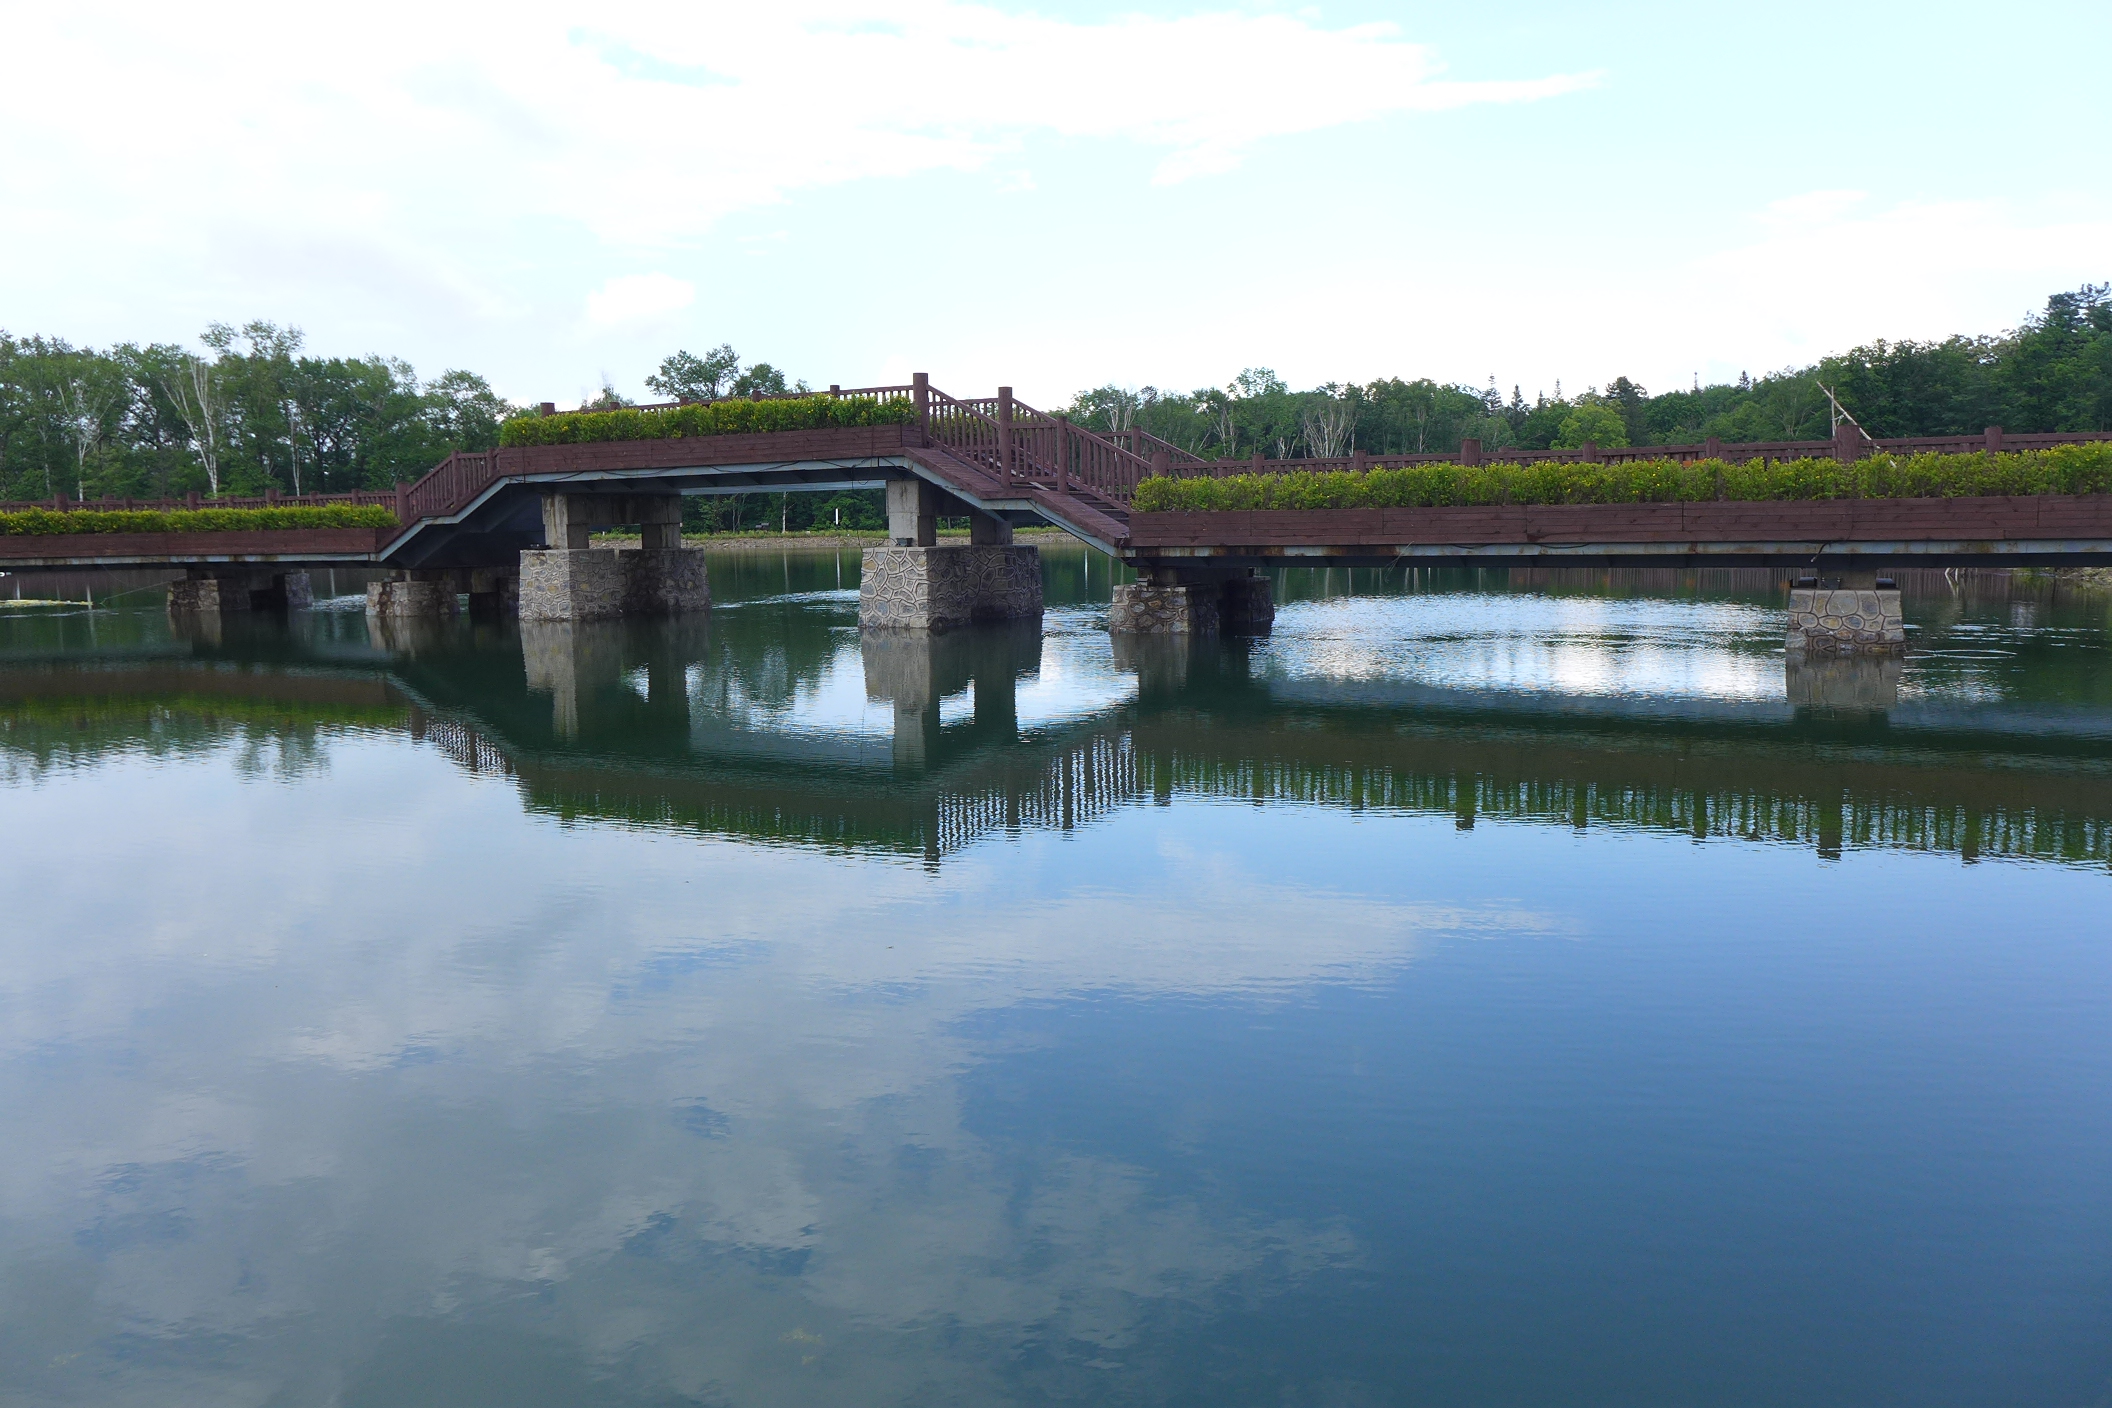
(997, 451)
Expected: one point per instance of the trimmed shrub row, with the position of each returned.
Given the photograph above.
(2065, 469)
(44, 521)
(708, 418)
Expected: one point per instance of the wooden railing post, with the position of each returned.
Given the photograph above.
(403, 502)
(1255, 463)
(1591, 452)
(1847, 443)
(1063, 454)
(1712, 448)
(1994, 439)
(1004, 436)
(1470, 451)
(920, 397)
(1162, 463)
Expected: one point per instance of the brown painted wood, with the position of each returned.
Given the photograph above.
(778, 447)
(351, 543)
(2038, 517)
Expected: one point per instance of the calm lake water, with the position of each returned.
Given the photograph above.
(1485, 990)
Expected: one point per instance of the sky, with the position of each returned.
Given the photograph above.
(1054, 197)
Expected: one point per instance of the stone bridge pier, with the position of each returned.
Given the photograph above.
(570, 581)
(223, 590)
(493, 593)
(1853, 613)
(917, 583)
(1179, 599)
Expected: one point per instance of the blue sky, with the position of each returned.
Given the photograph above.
(1057, 197)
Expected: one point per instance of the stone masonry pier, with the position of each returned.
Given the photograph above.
(1859, 617)
(915, 583)
(570, 581)
(1184, 600)
(225, 590)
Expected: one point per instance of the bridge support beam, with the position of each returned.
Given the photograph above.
(224, 590)
(1189, 601)
(1856, 614)
(570, 581)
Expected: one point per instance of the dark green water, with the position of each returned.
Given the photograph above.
(1482, 991)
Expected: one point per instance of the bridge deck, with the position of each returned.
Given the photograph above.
(2025, 529)
(1005, 458)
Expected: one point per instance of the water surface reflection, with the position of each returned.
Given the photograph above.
(1538, 992)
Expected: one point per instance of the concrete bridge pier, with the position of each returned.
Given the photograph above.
(221, 590)
(916, 583)
(571, 581)
(1849, 613)
(1177, 599)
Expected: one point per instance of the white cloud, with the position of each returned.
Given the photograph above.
(426, 121)
(638, 298)
(1781, 283)
(1827, 271)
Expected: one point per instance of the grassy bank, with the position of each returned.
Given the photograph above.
(44, 522)
(2065, 469)
(709, 418)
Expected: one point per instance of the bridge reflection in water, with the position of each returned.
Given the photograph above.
(777, 721)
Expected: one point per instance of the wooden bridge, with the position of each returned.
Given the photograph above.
(999, 457)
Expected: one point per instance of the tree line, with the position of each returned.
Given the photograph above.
(254, 411)
(2052, 374)
(251, 413)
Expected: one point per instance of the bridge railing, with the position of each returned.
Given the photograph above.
(1146, 445)
(1025, 447)
(845, 393)
(449, 487)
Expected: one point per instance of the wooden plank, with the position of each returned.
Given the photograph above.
(2034, 517)
(1606, 523)
(352, 542)
(840, 442)
(1453, 523)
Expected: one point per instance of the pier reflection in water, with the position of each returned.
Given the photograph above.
(779, 708)
(1019, 1013)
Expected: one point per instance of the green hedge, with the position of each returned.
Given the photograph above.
(710, 418)
(44, 521)
(2065, 469)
